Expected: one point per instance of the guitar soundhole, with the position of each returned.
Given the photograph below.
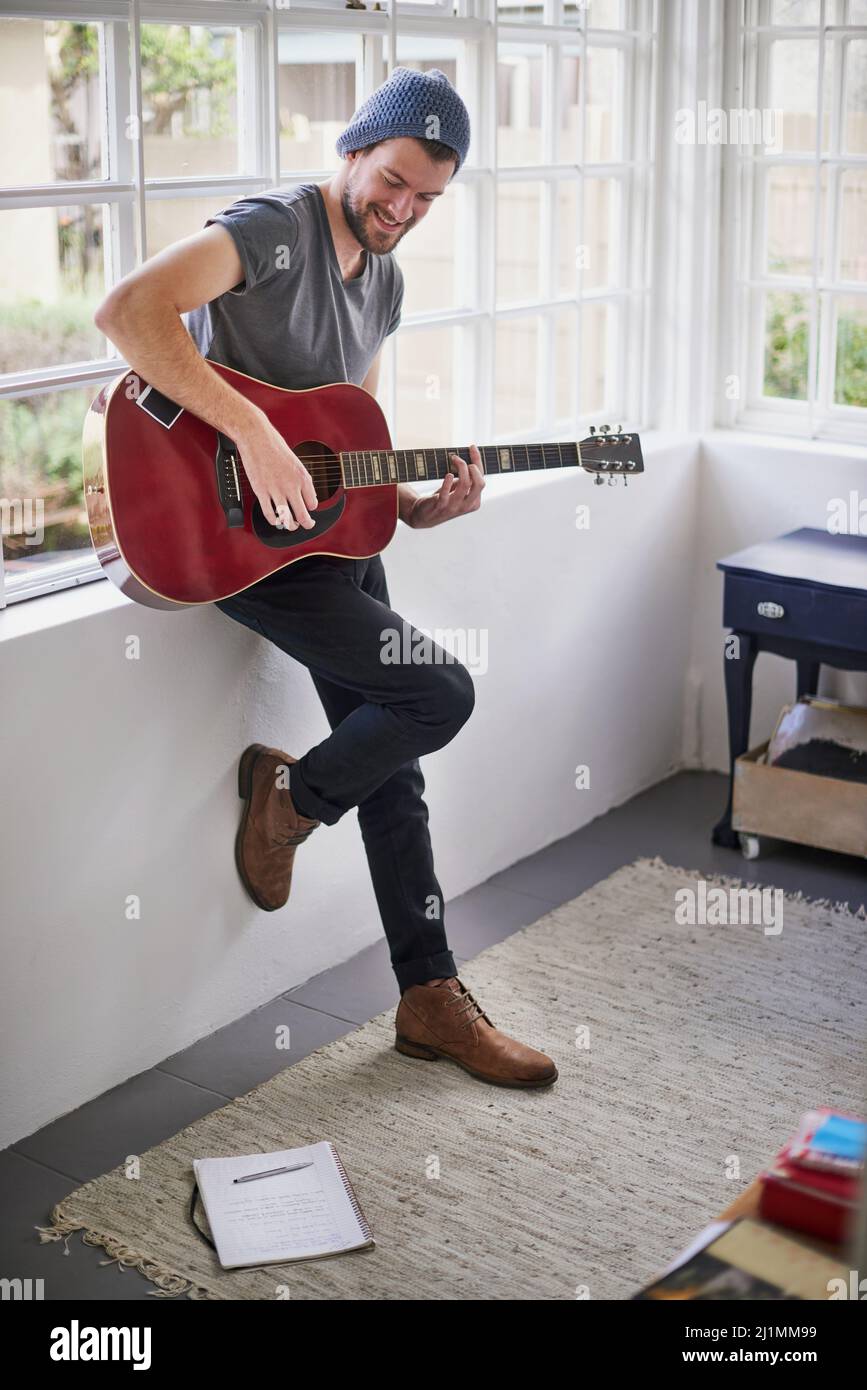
(323, 465)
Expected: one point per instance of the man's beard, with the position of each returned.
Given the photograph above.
(359, 223)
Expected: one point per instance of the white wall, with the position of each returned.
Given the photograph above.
(119, 775)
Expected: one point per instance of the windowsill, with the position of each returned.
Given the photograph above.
(785, 443)
(79, 601)
(32, 615)
(100, 595)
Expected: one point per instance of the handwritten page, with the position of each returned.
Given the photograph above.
(286, 1216)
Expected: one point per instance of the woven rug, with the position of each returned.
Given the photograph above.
(683, 1051)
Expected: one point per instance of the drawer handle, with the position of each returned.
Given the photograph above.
(767, 609)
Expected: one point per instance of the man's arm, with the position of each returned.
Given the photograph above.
(371, 381)
(406, 498)
(141, 316)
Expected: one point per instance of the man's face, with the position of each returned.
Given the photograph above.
(396, 181)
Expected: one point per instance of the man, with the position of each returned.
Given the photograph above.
(299, 287)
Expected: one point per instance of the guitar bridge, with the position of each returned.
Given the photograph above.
(229, 481)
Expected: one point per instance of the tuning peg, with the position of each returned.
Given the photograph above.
(592, 429)
(597, 479)
(605, 429)
(619, 429)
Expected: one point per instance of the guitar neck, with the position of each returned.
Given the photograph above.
(370, 467)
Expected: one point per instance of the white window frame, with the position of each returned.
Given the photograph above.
(476, 23)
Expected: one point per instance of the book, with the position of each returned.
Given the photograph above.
(814, 1183)
(830, 1142)
(748, 1261)
(824, 1205)
(307, 1214)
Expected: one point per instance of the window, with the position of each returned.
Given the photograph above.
(798, 303)
(525, 301)
(92, 185)
(546, 299)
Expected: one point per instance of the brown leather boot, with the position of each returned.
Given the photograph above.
(445, 1020)
(271, 828)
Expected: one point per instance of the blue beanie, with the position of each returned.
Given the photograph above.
(410, 103)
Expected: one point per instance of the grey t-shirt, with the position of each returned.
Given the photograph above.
(293, 321)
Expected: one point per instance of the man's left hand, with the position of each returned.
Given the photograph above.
(458, 494)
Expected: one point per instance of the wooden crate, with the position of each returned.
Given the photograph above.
(825, 812)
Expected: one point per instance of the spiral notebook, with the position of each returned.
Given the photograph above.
(302, 1215)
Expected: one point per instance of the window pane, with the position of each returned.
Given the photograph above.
(602, 225)
(790, 211)
(169, 219)
(597, 355)
(853, 225)
(569, 122)
(855, 118)
(604, 103)
(566, 366)
(520, 11)
(50, 93)
(515, 381)
(519, 97)
(189, 100)
(787, 336)
(605, 14)
(425, 388)
(596, 252)
(51, 280)
(316, 77)
(850, 377)
(428, 254)
(792, 78)
(43, 513)
(416, 51)
(571, 255)
(519, 207)
(795, 12)
(601, 14)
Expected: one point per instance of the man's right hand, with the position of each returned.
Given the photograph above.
(279, 479)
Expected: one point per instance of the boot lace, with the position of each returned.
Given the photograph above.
(468, 1004)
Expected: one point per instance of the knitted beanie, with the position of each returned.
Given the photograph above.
(410, 103)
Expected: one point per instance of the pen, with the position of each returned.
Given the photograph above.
(268, 1171)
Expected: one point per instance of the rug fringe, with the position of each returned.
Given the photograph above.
(169, 1284)
(656, 861)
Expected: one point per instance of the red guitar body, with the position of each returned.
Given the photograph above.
(158, 524)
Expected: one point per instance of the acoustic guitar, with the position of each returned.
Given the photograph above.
(175, 522)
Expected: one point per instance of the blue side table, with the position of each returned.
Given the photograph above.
(804, 596)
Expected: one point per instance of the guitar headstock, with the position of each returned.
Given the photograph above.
(611, 453)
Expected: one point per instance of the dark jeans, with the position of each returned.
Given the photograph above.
(333, 615)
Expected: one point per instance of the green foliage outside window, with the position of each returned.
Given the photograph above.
(787, 337)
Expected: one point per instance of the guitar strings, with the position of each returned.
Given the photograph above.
(532, 451)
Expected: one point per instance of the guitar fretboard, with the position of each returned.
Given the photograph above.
(370, 467)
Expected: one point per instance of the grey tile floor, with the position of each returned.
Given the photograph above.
(672, 819)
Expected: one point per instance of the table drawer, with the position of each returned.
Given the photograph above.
(837, 617)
